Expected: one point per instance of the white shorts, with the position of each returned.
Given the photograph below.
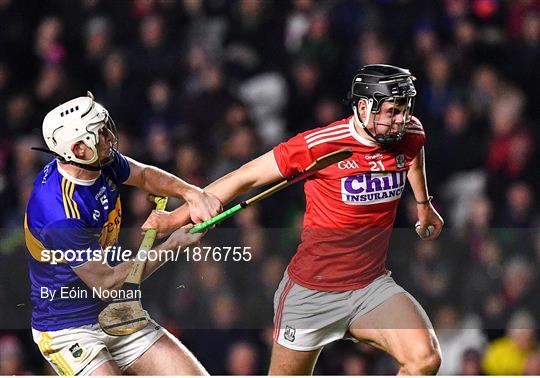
(81, 350)
(307, 319)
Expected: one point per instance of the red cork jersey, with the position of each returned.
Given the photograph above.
(350, 206)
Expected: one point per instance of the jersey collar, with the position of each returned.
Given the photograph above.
(358, 137)
(75, 180)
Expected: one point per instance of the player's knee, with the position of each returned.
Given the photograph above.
(425, 360)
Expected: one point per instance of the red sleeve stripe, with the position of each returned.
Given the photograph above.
(348, 134)
(325, 135)
(279, 310)
(327, 129)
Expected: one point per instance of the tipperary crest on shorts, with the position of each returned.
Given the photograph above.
(400, 161)
(76, 350)
(289, 333)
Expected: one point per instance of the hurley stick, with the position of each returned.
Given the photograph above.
(126, 316)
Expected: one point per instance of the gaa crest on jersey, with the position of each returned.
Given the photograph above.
(400, 161)
(290, 333)
(372, 187)
(348, 164)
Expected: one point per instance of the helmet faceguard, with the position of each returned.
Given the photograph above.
(375, 84)
(80, 120)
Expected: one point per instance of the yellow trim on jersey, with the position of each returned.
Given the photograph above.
(35, 247)
(54, 355)
(70, 206)
(75, 207)
(69, 193)
(64, 198)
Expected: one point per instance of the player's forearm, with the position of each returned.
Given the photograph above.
(166, 253)
(225, 189)
(118, 274)
(160, 182)
(256, 173)
(100, 276)
(417, 177)
(231, 185)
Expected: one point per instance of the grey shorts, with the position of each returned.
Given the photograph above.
(306, 319)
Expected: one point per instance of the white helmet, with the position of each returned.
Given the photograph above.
(77, 120)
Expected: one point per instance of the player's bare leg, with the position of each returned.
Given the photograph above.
(107, 368)
(401, 328)
(286, 361)
(167, 356)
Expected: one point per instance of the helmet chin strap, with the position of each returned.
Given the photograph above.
(87, 167)
(363, 125)
(357, 119)
(382, 140)
(92, 168)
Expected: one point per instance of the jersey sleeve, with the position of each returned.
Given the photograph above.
(416, 136)
(120, 167)
(71, 235)
(292, 156)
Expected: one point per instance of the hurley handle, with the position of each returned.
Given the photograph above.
(135, 275)
(217, 219)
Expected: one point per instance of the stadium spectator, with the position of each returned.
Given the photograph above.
(242, 359)
(11, 357)
(208, 55)
(460, 338)
(508, 355)
(471, 363)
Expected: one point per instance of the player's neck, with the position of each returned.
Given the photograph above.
(78, 172)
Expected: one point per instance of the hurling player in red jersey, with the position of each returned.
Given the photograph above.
(336, 285)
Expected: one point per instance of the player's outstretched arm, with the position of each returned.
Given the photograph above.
(99, 275)
(202, 205)
(427, 215)
(258, 172)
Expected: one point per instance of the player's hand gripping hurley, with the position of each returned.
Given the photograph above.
(126, 316)
(320, 163)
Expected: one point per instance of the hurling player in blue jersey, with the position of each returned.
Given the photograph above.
(75, 207)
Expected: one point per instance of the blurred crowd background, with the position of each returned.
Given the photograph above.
(198, 87)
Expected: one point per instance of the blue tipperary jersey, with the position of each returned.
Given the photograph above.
(67, 214)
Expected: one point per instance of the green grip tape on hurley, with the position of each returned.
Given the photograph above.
(215, 220)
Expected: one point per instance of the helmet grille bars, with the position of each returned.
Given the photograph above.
(376, 83)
